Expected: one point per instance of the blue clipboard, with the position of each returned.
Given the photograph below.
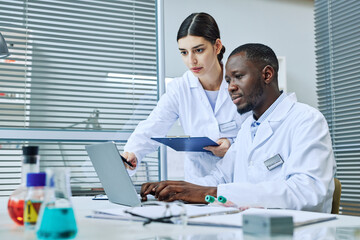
(186, 144)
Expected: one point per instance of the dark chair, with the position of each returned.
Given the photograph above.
(336, 197)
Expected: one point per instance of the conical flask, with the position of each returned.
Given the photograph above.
(57, 219)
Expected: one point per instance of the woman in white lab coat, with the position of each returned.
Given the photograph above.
(199, 99)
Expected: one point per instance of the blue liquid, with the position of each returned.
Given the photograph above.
(57, 223)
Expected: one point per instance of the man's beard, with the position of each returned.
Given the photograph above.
(253, 99)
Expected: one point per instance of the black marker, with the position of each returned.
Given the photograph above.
(125, 161)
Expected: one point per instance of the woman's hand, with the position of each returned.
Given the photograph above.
(224, 145)
(131, 158)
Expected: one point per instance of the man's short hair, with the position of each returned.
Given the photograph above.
(258, 53)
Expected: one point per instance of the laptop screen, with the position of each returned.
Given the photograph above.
(112, 173)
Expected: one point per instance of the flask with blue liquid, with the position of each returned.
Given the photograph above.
(57, 218)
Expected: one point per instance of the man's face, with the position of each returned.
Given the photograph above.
(246, 87)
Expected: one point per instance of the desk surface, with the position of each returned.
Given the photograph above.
(344, 227)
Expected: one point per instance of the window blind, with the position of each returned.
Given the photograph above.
(338, 57)
(86, 66)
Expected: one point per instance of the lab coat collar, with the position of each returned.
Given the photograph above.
(222, 96)
(197, 87)
(265, 130)
(194, 81)
(280, 112)
(223, 91)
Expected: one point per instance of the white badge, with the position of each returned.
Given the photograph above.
(224, 127)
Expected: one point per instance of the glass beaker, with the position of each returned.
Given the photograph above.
(57, 218)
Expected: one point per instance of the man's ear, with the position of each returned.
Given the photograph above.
(268, 74)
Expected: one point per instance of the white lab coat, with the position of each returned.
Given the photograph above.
(299, 133)
(186, 100)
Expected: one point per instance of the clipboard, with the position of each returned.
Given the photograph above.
(186, 144)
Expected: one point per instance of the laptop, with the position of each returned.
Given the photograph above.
(112, 173)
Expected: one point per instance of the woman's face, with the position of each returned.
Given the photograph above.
(198, 54)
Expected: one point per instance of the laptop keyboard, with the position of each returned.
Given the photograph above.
(104, 197)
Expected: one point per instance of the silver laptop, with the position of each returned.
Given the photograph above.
(112, 173)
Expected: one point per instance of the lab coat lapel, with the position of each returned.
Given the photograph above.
(196, 86)
(265, 130)
(263, 133)
(222, 96)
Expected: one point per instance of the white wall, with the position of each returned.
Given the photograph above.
(287, 26)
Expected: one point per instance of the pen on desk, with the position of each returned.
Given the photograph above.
(125, 161)
(216, 213)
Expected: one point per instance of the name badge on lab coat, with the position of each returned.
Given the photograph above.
(273, 162)
(224, 127)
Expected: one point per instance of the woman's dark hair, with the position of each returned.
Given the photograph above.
(201, 25)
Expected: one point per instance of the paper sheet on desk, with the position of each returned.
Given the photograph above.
(300, 218)
(115, 214)
(159, 211)
(216, 216)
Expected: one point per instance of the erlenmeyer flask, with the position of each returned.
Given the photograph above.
(57, 219)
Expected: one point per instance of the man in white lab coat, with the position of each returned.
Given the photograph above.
(282, 156)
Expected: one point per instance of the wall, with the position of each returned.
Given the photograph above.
(287, 26)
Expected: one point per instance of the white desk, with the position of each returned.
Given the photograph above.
(102, 229)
